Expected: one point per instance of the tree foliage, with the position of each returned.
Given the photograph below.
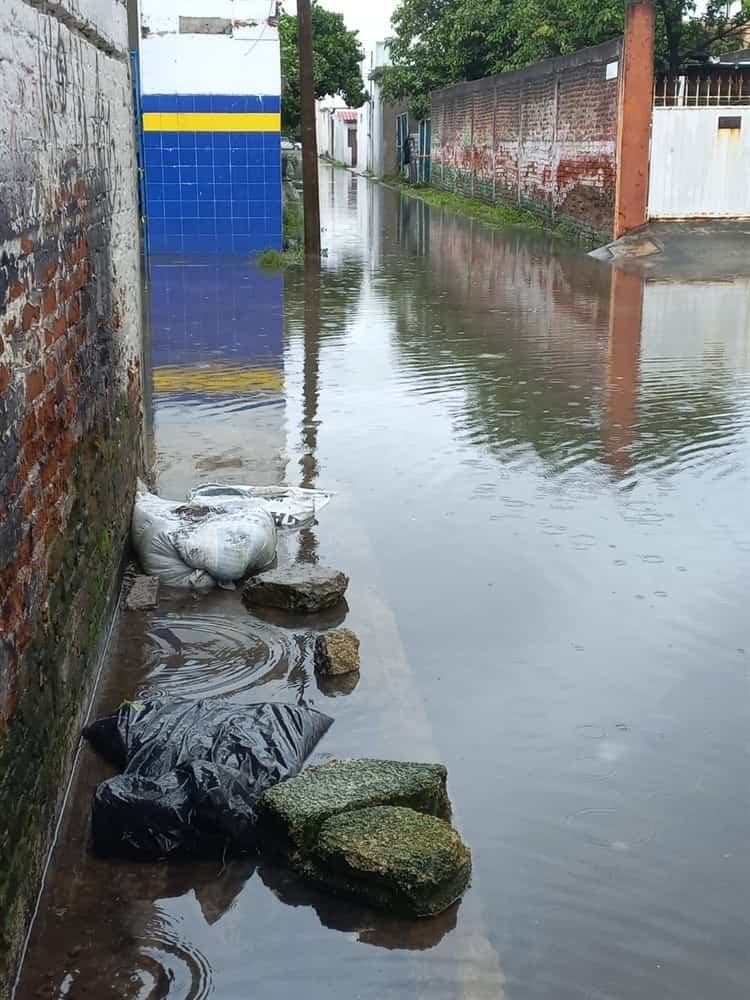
(337, 56)
(440, 42)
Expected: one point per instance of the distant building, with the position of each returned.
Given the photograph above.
(389, 134)
(338, 132)
(210, 83)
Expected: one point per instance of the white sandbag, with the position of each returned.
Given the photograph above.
(290, 506)
(196, 546)
(230, 543)
(154, 521)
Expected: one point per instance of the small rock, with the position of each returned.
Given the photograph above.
(143, 593)
(299, 588)
(393, 858)
(337, 653)
(291, 814)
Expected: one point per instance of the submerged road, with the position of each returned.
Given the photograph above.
(541, 466)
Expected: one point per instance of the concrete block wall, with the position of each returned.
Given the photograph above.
(211, 85)
(543, 138)
(70, 399)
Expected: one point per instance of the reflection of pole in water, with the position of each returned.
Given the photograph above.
(623, 367)
(308, 547)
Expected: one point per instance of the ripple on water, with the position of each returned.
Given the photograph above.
(614, 829)
(213, 656)
(170, 966)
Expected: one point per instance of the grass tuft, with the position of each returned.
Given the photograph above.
(280, 260)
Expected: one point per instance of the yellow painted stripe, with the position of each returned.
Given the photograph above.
(210, 121)
(194, 378)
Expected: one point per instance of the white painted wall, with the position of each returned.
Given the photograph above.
(364, 121)
(698, 170)
(105, 18)
(246, 62)
(323, 128)
(371, 127)
(334, 146)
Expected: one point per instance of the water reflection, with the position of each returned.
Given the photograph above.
(218, 371)
(623, 369)
(547, 348)
(310, 392)
(370, 926)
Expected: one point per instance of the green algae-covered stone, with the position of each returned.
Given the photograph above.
(292, 813)
(395, 859)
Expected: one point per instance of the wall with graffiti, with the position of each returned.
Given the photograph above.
(542, 138)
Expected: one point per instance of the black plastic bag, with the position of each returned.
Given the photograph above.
(193, 771)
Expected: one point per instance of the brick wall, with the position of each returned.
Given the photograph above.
(543, 138)
(70, 407)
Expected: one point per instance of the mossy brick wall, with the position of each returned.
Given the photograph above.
(70, 401)
(542, 138)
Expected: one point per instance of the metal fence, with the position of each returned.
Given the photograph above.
(725, 88)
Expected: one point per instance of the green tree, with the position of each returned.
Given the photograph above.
(441, 42)
(684, 39)
(337, 55)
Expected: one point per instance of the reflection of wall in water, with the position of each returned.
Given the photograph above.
(676, 349)
(705, 323)
(218, 340)
(526, 283)
(526, 326)
(348, 223)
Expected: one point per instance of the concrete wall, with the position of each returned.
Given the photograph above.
(70, 398)
(370, 132)
(211, 85)
(543, 138)
(371, 120)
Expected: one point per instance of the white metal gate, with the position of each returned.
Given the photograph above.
(700, 144)
(700, 163)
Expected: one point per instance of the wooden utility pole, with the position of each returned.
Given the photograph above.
(311, 193)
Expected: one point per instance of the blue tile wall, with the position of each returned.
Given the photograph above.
(212, 102)
(213, 192)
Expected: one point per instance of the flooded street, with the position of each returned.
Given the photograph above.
(541, 467)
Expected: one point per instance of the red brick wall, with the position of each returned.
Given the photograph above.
(542, 138)
(59, 322)
(70, 404)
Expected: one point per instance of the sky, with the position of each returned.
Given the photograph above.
(370, 17)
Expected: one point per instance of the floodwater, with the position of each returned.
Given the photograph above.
(541, 468)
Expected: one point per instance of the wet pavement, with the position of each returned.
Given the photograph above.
(541, 466)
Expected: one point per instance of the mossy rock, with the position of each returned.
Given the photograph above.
(337, 653)
(392, 858)
(292, 813)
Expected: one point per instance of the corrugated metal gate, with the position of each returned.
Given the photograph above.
(700, 147)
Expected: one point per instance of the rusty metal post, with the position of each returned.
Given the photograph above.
(635, 112)
(311, 193)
